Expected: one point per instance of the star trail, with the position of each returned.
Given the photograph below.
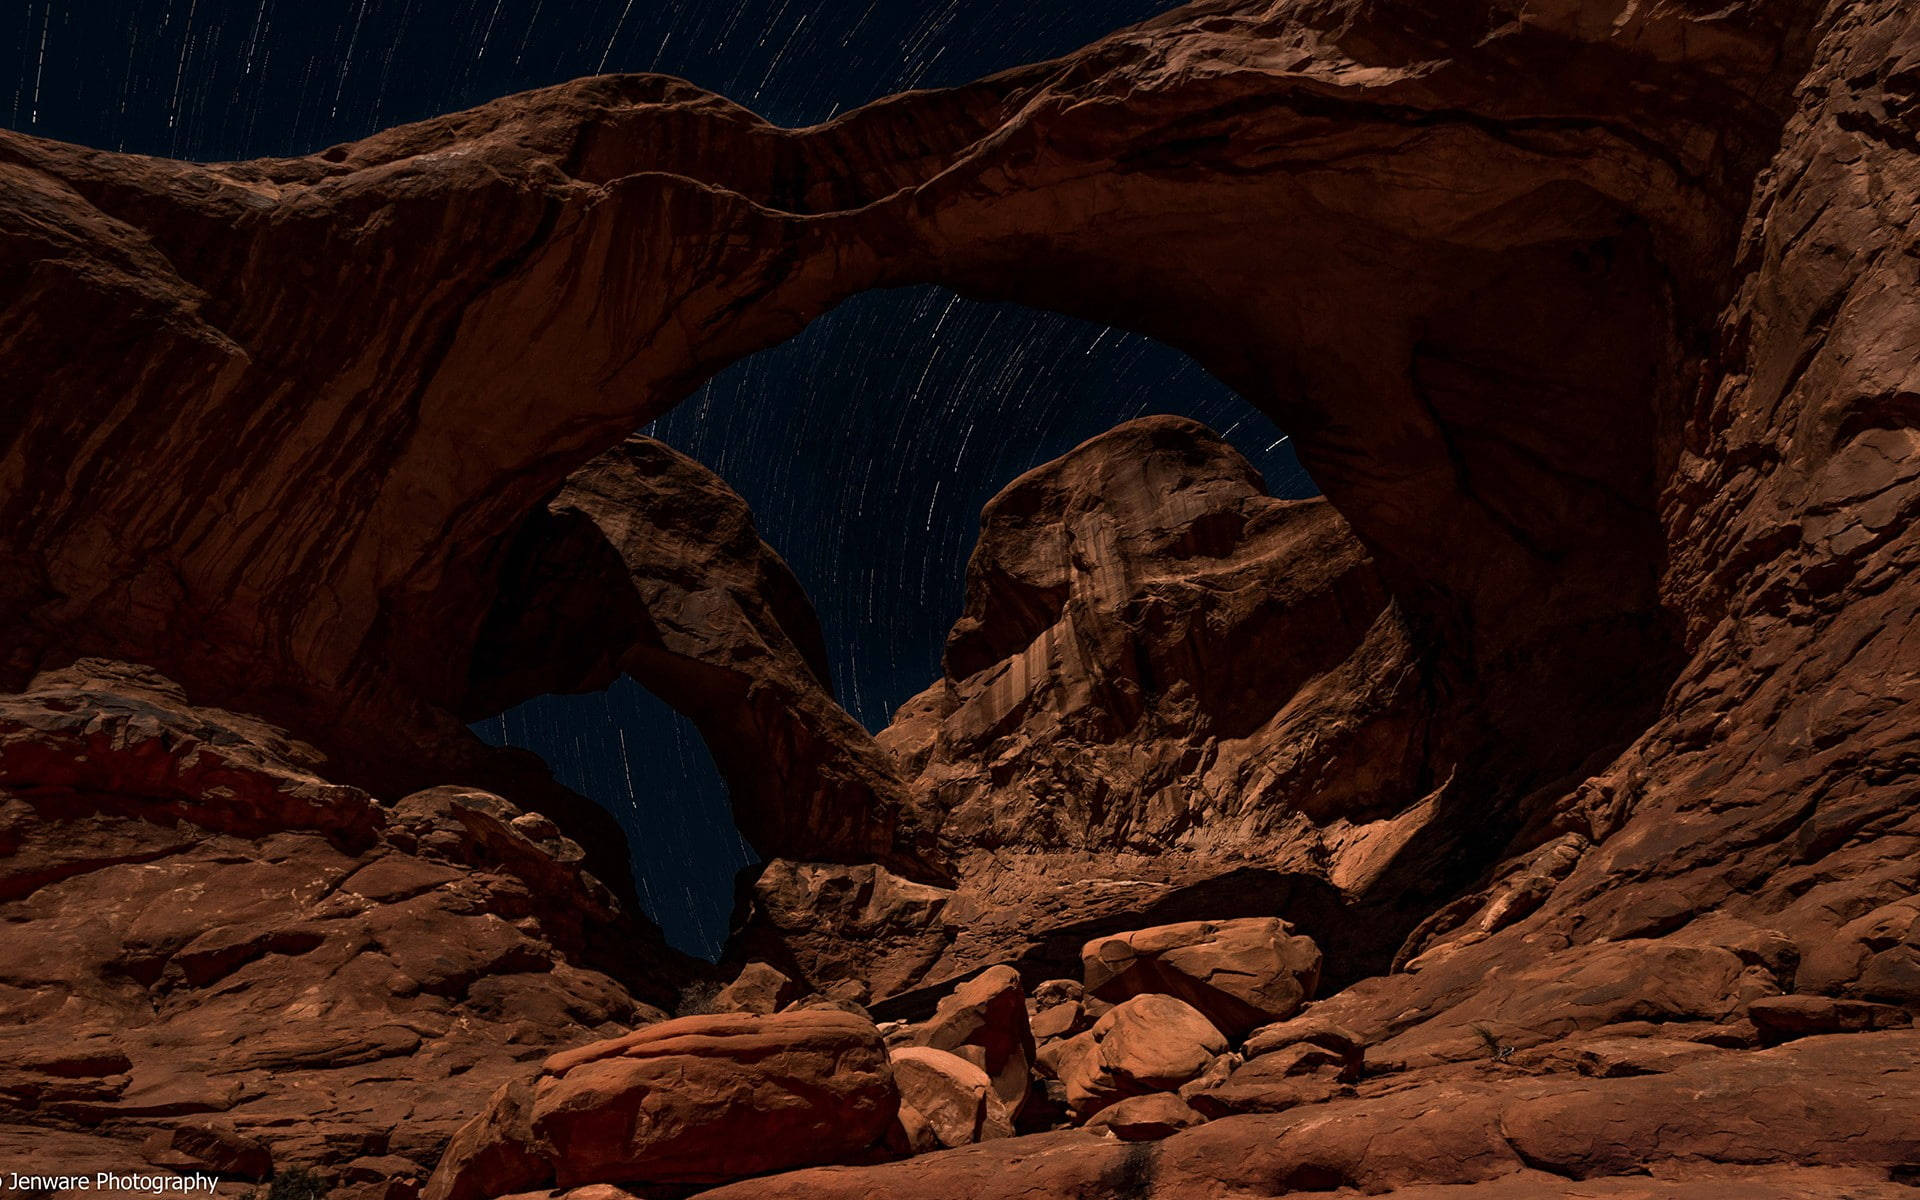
(866, 445)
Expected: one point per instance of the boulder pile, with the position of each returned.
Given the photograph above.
(783, 1079)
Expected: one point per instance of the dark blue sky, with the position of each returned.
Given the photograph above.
(217, 79)
(866, 445)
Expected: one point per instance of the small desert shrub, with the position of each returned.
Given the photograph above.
(1494, 1048)
(296, 1183)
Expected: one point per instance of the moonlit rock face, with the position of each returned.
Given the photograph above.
(700, 1099)
(895, 410)
(1595, 722)
(952, 1096)
(1151, 1043)
(1242, 974)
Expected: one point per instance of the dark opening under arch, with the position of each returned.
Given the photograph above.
(866, 447)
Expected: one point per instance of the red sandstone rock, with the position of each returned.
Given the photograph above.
(1311, 1030)
(494, 1154)
(1147, 627)
(834, 922)
(1595, 324)
(985, 1021)
(1780, 1119)
(694, 1100)
(954, 1098)
(1146, 1118)
(113, 729)
(210, 1145)
(216, 952)
(1781, 1018)
(380, 1177)
(1125, 603)
(1262, 1091)
(1062, 1020)
(1150, 1043)
(1611, 1057)
(1240, 974)
(758, 989)
(1050, 992)
(647, 563)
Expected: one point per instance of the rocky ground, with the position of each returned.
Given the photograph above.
(1535, 816)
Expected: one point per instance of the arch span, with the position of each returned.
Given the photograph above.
(1460, 263)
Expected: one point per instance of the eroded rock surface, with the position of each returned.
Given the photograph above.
(1162, 675)
(216, 959)
(1523, 224)
(1140, 618)
(1240, 974)
(949, 1097)
(984, 1021)
(1822, 1113)
(1151, 1043)
(1595, 323)
(693, 1100)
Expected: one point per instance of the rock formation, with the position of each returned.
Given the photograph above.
(1515, 232)
(1241, 974)
(645, 562)
(1589, 764)
(215, 959)
(758, 989)
(1162, 676)
(1820, 1118)
(945, 1101)
(985, 1021)
(695, 1100)
(1151, 1043)
(1141, 622)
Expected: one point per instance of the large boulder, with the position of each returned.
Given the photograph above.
(951, 1097)
(696, 1100)
(1242, 974)
(1147, 1118)
(839, 921)
(495, 1154)
(984, 1021)
(758, 988)
(1151, 1043)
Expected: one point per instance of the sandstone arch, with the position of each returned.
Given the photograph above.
(1465, 262)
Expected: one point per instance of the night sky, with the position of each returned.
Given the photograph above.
(866, 445)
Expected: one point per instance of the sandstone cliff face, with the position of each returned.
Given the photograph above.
(1596, 325)
(1753, 840)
